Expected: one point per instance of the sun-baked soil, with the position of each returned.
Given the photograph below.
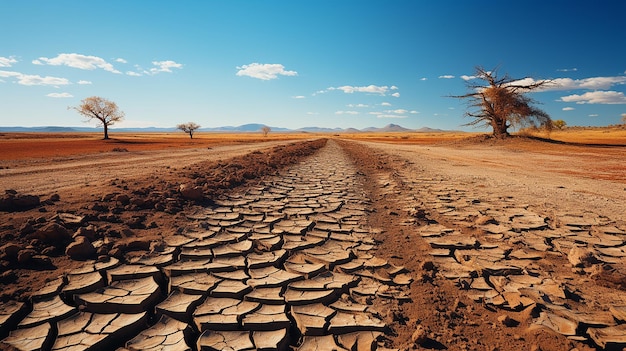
(134, 196)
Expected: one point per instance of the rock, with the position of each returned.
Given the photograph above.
(191, 192)
(51, 233)
(10, 250)
(12, 201)
(80, 248)
(581, 257)
(88, 232)
(25, 255)
(123, 199)
(420, 335)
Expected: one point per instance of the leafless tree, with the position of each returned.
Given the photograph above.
(105, 111)
(266, 130)
(189, 128)
(501, 103)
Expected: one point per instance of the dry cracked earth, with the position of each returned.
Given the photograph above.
(349, 248)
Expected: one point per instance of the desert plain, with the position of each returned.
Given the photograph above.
(381, 241)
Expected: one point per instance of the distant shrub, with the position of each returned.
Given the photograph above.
(120, 149)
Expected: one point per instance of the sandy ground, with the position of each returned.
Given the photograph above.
(45, 176)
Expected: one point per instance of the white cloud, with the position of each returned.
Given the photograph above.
(385, 104)
(84, 82)
(133, 74)
(568, 109)
(399, 111)
(413, 112)
(7, 61)
(28, 79)
(393, 87)
(464, 77)
(358, 105)
(567, 69)
(447, 76)
(594, 115)
(395, 94)
(423, 78)
(299, 97)
(312, 113)
(593, 83)
(346, 113)
(164, 66)
(373, 89)
(77, 61)
(60, 95)
(120, 60)
(597, 97)
(264, 71)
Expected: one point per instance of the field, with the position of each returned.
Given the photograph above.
(447, 240)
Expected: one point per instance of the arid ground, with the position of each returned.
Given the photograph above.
(447, 240)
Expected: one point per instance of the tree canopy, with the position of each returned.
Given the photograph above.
(501, 103)
(101, 109)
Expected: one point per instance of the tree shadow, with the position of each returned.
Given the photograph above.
(559, 142)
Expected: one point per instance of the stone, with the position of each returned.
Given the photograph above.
(12, 202)
(191, 192)
(81, 248)
(52, 233)
(581, 257)
(10, 250)
(24, 256)
(88, 232)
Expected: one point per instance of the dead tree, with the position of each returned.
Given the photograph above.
(501, 103)
(105, 111)
(189, 128)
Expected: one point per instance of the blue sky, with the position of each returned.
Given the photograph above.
(296, 64)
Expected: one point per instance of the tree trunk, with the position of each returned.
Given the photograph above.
(190, 135)
(500, 128)
(106, 131)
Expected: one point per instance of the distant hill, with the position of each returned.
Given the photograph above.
(388, 128)
(252, 127)
(245, 128)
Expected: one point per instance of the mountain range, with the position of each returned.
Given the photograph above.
(246, 128)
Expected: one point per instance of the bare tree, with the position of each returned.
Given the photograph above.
(105, 111)
(266, 130)
(502, 104)
(189, 128)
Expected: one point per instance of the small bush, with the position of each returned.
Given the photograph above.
(120, 149)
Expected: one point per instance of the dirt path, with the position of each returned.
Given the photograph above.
(285, 263)
(44, 177)
(359, 246)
